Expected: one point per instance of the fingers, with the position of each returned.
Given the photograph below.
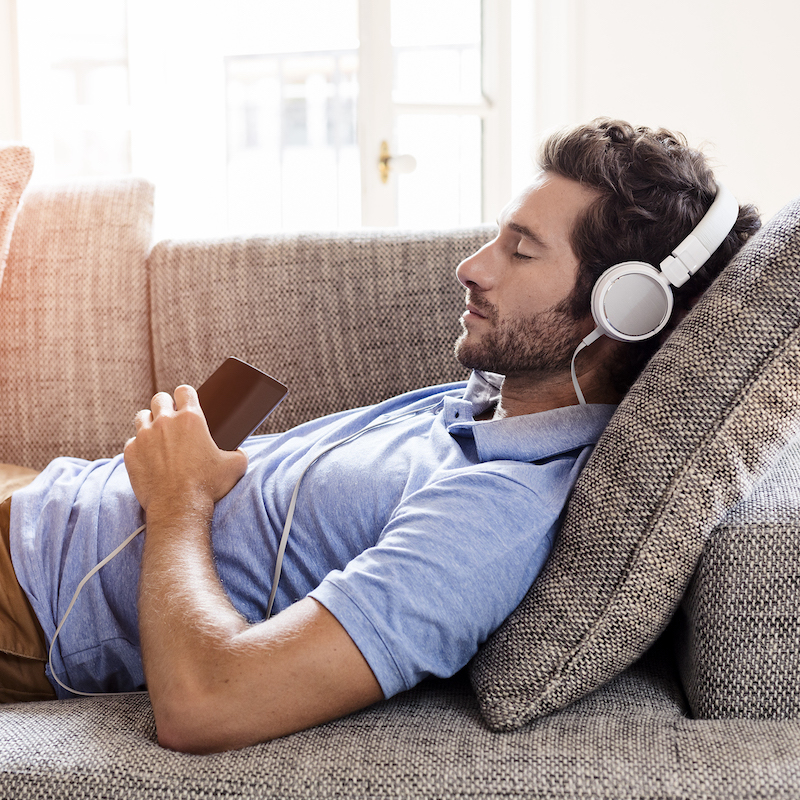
(142, 418)
(186, 397)
(162, 403)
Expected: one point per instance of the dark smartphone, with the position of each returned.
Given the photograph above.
(236, 399)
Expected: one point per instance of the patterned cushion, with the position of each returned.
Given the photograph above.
(712, 409)
(74, 328)
(343, 319)
(16, 166)
(740, 620)
(629, 740)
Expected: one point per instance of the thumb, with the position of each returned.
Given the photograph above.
(231, 465)
(236, 462)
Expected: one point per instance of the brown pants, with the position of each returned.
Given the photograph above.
(23, 651)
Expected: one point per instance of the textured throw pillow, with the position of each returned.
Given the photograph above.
(16, 166)
(701, 425)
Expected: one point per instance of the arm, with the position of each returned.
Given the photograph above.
(216, 681)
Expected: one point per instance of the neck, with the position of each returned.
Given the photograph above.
(519, 396)
(530, 393)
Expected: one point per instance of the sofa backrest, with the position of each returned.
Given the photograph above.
(343, 319)
(91, 327)
(75, 359)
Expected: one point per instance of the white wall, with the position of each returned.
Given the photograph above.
(9, 73)
(724, 72)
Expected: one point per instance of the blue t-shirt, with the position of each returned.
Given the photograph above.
(420, 536)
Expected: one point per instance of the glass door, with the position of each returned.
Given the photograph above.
(422, 97)
(264, 115)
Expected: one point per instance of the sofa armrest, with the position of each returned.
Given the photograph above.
(74, 321)
(740, 620)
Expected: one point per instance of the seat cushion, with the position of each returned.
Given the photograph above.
(713, 408)
(629, 740)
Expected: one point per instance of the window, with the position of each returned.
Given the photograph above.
(292, 125)
(263, 115)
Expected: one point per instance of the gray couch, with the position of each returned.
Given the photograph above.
(656, 656)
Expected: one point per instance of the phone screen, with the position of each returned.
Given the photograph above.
(236, 399)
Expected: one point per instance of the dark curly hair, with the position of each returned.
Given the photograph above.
(653, 190)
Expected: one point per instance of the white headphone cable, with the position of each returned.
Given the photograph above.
(290, 513)
(592, 337)
(88, 575)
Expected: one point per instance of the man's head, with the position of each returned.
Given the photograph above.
(643, 192)
(652, 190)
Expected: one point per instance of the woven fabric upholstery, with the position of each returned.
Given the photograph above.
(629, 740)
(740, 621)
(709, 413)
(16, 166)
(298, 307)
(74, 329)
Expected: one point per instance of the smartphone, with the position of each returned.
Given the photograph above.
(236, 399)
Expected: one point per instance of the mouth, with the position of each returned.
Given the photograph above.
(477, 308)
(473, 313)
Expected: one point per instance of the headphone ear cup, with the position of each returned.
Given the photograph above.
(631, 301)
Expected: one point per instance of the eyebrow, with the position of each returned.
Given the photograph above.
(522, 230)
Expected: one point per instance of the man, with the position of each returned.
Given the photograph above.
(421, 522)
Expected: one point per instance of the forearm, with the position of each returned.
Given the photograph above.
(186, 621)
(217, 682)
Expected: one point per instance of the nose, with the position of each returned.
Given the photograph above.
(475, 271)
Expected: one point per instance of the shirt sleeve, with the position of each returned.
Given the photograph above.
(454, 560)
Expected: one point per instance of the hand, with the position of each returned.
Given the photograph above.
(173, 460)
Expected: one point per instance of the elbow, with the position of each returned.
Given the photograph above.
(194, 722)
(179, 727)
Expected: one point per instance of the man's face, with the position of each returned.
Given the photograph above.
(518, 285)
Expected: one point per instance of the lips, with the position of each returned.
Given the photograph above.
(473, 312)
(477, 307)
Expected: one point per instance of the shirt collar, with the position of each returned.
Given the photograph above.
(529, 437)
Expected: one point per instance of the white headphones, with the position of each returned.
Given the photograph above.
(632, 301)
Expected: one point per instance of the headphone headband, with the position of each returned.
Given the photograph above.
(633, 301)
(703, 241)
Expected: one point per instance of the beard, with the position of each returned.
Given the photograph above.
(541, 343)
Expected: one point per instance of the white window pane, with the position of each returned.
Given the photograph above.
(292, 150)
(419, 23)
(437, 75)
(280, 26)
(87, 30)
(437, 51)
(84, 152)
(445, 189)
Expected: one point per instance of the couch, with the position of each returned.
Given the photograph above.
(655, 657)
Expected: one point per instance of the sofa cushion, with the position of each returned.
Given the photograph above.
(712, 409)
(629, 740)
(74, 328)
(740, 620)
(298, 306)
(16, 166)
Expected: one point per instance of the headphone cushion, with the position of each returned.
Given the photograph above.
(631, 301)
